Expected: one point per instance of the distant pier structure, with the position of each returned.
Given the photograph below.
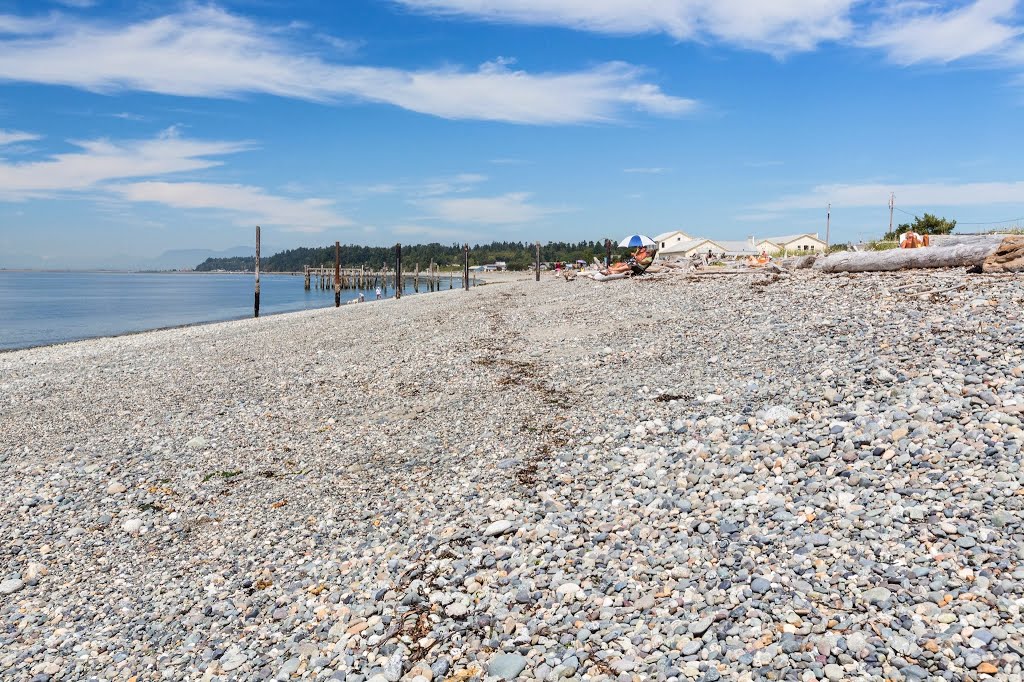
(327, 277)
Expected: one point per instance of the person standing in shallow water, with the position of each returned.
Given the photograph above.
(378, 293)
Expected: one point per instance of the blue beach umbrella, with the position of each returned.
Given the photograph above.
(635, 240)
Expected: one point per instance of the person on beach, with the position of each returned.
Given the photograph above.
(637, 263)
(378, 293)
(362, 297)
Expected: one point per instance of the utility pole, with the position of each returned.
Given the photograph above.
(828, 226)
(892, 205)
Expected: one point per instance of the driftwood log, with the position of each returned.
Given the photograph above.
(798, 262)
(986, 253)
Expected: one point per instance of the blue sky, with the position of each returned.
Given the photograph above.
(130, 128)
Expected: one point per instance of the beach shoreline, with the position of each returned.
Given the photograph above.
(264, 313)
(529, 479)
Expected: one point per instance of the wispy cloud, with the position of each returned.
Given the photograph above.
(510, 162)
(778, 27)
(647, 171)
(456, 184)
(430, 232)
(207, 52)
(921, 194)
(914, 32)
(15, 136)
(99, 161)
(251, 205)
(100, 168)
(511, 208)
(909, 31)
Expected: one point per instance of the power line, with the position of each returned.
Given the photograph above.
(992, 222)
(961, 222)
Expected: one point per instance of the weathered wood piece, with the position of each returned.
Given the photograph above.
(398, 271)
(963, 255)
(256, 304)
(337, 274)
(798, 262)
(1008, 256)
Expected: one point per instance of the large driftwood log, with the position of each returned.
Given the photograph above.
(965, 255)
(1008, 257)
(798, 262)
(944, 240)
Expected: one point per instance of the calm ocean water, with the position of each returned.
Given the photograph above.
(39, 308)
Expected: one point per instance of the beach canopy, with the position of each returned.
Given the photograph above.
(635, 240)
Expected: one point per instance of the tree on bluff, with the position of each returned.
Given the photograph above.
(928, 224)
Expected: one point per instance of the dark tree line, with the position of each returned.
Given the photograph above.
(517, 255)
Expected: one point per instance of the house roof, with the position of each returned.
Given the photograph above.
(665, 235)
(782, 241)
(690, 244)
(738, 247)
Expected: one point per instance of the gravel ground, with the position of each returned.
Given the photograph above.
(675, 479)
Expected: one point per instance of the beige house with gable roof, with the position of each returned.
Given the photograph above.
(679, 244)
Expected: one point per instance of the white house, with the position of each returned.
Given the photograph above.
(799, 243)
(738, 248)
(668, 239)
(689, 247)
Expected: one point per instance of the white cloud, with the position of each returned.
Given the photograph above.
(463, 182)
(910, 31)
(920, 32)
(15, 136)
(646, 171)
(99, 161)
(12, 25)
(206, 52)
(511, 208)
(252, 204)
(922, 194)
(776, 26)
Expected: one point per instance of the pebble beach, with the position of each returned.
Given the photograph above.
(678, 478)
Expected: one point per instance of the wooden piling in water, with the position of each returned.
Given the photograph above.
(465, 268)
(398, 271)
(306, 283)
(337, 274)
(537, 264)
(256, 303)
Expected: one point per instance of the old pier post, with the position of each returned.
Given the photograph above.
(337, 274)
(416, 280)
(607, 252)
(537, 263)
(256, 304)
(465, 268)
(307, 277)
(398, 271)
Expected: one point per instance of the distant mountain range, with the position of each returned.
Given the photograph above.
(174, 259)
(186, 259)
